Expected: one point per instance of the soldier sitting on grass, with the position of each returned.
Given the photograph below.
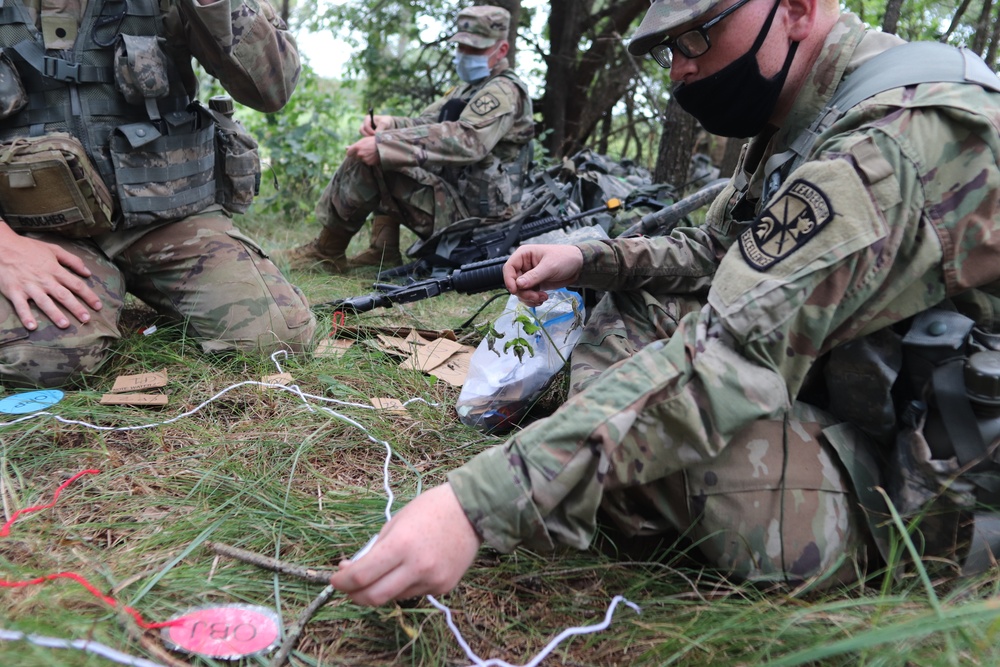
(463, 156)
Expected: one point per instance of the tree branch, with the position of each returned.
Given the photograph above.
(295, 631)
(273, 564)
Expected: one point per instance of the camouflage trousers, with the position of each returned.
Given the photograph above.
(201, 271)
(421, 199)
(776, 505)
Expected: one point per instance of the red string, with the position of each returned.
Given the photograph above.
(108, 600)
(6, 527)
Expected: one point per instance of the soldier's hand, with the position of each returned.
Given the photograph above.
(43, 273)
(423, 550)
(532, 269)
(381, 123)
(365, 150)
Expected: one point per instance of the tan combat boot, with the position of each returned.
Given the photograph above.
(328, 252)
(384, 248)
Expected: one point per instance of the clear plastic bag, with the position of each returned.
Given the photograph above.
(508, 374)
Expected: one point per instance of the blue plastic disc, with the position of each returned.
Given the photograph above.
(30, 401)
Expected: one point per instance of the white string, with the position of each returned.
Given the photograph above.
(293, 388)
(551, 646)
(390, 499)
(80, 645)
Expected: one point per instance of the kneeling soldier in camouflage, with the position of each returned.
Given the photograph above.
(113, 180)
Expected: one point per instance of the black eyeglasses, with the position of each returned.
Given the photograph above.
(691, 44)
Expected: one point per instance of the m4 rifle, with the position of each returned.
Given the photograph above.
(475, 245)
(470, 278)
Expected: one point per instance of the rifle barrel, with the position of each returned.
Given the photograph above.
(668, 217)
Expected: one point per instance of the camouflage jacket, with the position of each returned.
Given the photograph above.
(242, 43)
(896, 209)
(484, 145)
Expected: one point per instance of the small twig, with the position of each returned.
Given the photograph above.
(151, 645)
(295, 630)
(273, 564)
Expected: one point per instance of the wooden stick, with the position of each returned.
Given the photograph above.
(295, 630)
(148, 642)
(273, 564)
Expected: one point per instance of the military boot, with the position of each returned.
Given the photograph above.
(384, 248)
(328, 252)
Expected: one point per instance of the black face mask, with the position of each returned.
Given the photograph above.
(737, 100)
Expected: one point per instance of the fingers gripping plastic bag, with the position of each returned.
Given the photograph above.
(516, 362)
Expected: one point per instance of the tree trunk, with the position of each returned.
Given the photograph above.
(680, 134)
(602, 146)
(983, 28)
(581, 87)
(890, 20)
(991, 50)
(514, 7)
(565, 21)
(959, 13)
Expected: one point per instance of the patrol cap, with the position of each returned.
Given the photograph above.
(481, 26)
(662, 17)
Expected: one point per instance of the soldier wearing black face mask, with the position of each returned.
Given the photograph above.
(710, 100)
(750, 382)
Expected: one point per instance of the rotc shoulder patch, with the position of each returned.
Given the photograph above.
(794, 218)
(485, 103)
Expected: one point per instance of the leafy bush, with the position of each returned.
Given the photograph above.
(301, 145)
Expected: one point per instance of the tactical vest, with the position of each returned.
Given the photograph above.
(926, 390)
(118, 94)
(482, 184)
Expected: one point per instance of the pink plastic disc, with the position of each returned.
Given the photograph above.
(228, 631)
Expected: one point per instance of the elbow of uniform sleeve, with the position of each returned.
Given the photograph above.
(497, 502)
(276, 89)
(601, 265)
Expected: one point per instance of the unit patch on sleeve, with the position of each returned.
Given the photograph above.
(485, 103)
(786, 225)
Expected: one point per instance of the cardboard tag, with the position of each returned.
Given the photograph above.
(432, 354)
(139, 382)
(134, 399)
(393, 405)
(332, 347)
(455, 369)
(397, 345)
(284, 379)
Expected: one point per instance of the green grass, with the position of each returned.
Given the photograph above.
(259, 470)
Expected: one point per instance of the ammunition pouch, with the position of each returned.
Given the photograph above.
(48, 184)
(141, 69)
(237, 164)
(179, 162)
(162, 177)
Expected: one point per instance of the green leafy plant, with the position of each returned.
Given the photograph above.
(520, 345)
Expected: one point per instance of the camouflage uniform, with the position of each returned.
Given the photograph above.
(441, 172)
(198, 268)
(708, 337)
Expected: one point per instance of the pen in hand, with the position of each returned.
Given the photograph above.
(371, 114)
